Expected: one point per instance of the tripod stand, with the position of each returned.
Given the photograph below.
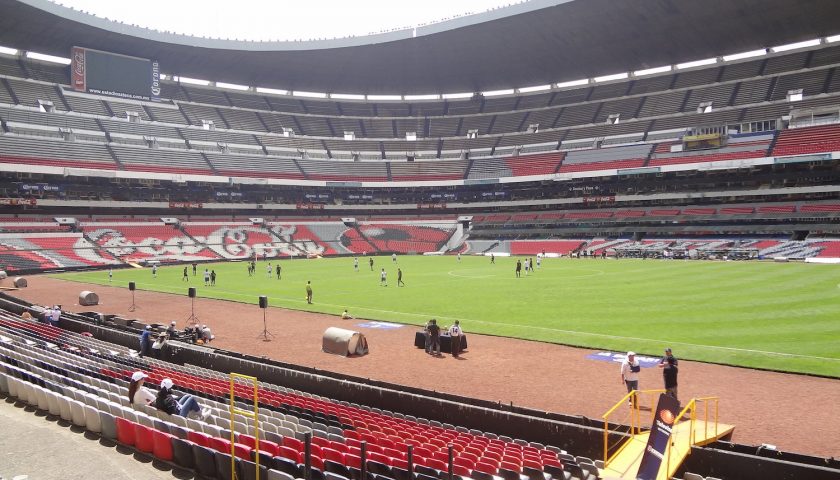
(133, 305)
(192, 320)
(265, 335)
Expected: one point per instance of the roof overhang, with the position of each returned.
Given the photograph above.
(534, 43)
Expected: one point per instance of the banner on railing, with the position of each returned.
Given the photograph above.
(667, 410)
(309, 206)
(18, 201)
(185, 205)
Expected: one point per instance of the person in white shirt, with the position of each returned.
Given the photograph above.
(455, 334)
(356, 264)
(137, 393)
(383, 278)
(394, 257)
(48, 315)
(630, 373)
(206, 334)
(56, 315)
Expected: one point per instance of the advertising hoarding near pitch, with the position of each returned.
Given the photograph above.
(103, 73)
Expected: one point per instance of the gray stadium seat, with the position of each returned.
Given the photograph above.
(93, 421)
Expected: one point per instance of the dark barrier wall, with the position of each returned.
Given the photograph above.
(726, 464)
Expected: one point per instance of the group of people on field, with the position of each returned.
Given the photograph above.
(433, 331)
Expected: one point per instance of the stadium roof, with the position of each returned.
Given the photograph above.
(532, 43)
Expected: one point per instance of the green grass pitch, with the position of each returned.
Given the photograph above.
(754, 314)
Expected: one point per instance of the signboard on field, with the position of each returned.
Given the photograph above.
(618, 357)
(380, 325)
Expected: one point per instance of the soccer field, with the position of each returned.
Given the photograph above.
(783, 316)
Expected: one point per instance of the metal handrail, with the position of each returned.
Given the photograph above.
(255, 415)
(692, 436)
(635, 420)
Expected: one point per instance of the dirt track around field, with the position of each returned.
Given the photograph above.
(794, 412)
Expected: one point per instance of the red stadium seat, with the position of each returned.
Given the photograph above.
(163, 445)
(125, 431)
(143, 439)
(199, 438)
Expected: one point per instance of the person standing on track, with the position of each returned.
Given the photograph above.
(669, 375)
(630, 369)
(455, 338)
(434, 337)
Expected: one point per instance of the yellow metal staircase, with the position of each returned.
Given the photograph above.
(623, 462)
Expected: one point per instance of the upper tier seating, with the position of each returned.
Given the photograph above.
(630, 156)
(738, 147)
(54, 152)
(798, 141)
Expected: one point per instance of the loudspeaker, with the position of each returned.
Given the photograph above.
(191, 292)
(263, 301)
(132, 286)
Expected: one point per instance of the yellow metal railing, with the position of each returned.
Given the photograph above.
(635, 419)
(254, 415)
(691, 408)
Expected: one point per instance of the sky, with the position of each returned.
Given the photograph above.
(280, 19)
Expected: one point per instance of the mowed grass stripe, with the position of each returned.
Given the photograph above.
(767, 315)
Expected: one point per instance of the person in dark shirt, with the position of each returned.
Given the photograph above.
(669, 374)
(185, 278)
(518, 268)
(434, 337)
(279, 269)
(213, 278)
(195, 267)
(400, 283)
(371, 263)
(146, 341)
(184, 406)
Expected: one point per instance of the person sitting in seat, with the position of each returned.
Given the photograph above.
(184, 406)
(137, 393)
(206, 334)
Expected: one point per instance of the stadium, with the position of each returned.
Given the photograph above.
(667, 172)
